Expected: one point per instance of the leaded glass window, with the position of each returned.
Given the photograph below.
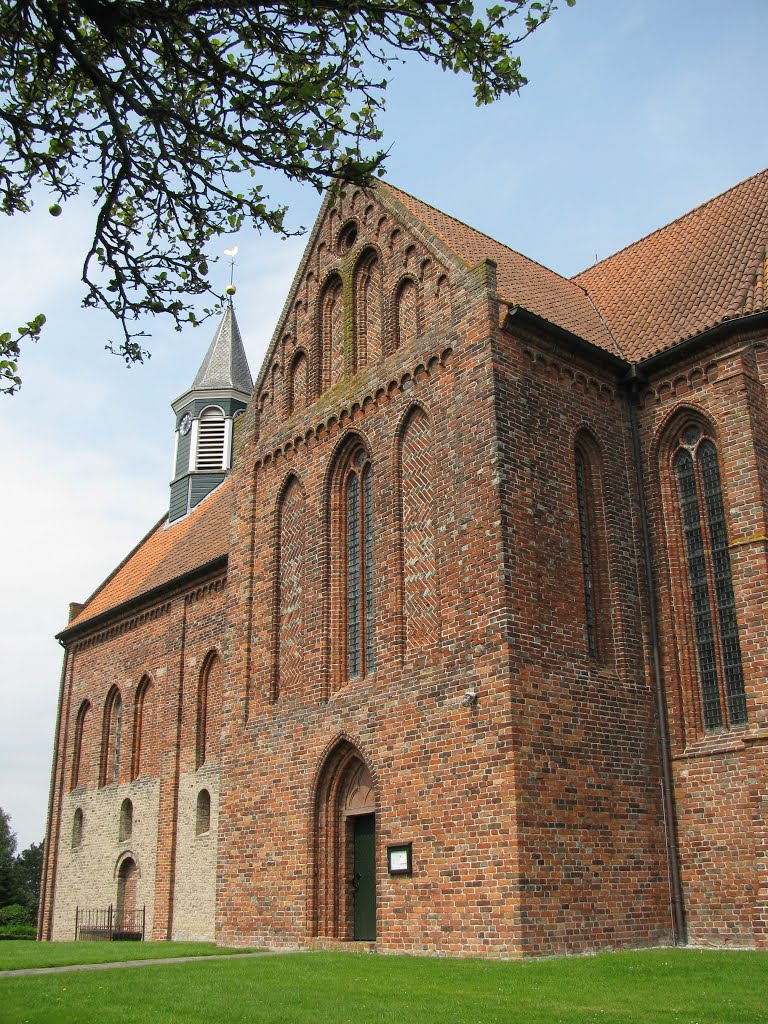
(359, 568)
(710, 581)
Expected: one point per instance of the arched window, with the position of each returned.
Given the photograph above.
(211, 434)
(368, 312)
(111, 737)
(77, 829)
(407, 311)
(594, 568)
(710, 581)
(139, 755)
(203, 815)
(77, 748)
(359, 567)
(126, 821)
(208, 698)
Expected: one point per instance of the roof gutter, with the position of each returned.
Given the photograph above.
(73, 632)
(572, 341)
(707, 337)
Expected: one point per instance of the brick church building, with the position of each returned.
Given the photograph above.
(454, 635)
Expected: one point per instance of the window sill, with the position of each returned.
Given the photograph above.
(723, 742)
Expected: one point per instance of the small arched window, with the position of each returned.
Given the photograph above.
(710, 580)
(111, 737)
(359, 566)
(77, 829)
(203, 815)
(210, 441)
(126, 821)
(77, 748)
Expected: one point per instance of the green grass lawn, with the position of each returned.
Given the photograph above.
(652, 987)
(15, 955)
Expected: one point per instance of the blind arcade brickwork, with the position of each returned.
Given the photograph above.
(474, 527)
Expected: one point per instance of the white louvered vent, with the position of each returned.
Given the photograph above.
(210, 441)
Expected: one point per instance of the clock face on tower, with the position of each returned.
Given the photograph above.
(186, 424)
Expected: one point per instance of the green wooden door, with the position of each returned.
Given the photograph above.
(365, 876)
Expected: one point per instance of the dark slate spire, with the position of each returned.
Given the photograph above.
(225, 364)
(205, 417)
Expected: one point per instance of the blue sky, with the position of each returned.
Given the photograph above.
(635, 113)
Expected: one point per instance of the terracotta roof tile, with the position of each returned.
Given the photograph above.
(705, 267)
(166, 553)
(520, 281)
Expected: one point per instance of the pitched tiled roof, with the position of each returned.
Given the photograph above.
(520, 281)
(705, 267)
(166, 553)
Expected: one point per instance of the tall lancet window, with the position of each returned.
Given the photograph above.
(368, 310)
(710, 580)
(332, 332)
(361, 658)
(592, 538)
(77, 750)
(111, 737)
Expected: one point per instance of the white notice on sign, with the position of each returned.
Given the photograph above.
(398, 860)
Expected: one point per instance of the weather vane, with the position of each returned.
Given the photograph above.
(231, 289)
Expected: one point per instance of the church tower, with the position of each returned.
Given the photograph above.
(204, 418)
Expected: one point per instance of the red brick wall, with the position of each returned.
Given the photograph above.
(591, 860)
(442, 772)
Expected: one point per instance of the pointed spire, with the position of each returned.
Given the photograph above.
(225, 364)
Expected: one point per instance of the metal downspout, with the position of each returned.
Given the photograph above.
(678, 908)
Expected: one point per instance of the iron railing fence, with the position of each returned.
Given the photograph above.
(109, 924)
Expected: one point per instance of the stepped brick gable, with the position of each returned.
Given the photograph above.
(453, 640)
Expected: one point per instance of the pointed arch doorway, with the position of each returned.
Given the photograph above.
(126, 895)
(343, 860)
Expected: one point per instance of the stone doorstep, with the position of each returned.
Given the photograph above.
(341, 945)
